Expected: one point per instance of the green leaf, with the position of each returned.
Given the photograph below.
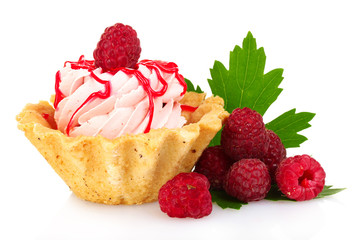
(191, 88)
(216, 140)
(287, 126)
(276, 195)
(245, 84)
(222, 199)
(328, 190)
(225, 201)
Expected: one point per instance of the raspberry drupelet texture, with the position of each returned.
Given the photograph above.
(244, 135)
(300, 177)
(274, 154)
(118, 47)
(186, 195)
(214, 164)
(248, 180)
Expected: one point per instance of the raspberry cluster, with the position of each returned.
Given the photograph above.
(245, 136)
(248, 160)
(257, 157)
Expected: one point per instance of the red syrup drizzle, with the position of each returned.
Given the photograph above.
(167, 67)
(99, 94)
(145, 82)
(45, 116)
(188, 108)
(80, 64)
(58, 94)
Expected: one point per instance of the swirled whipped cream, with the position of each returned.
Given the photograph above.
(129, 101)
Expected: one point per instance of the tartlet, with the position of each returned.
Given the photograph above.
(129, 169)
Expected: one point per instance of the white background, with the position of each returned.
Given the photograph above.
(317, 44)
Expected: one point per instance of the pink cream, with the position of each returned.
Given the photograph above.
(80, 64)
(170, 68)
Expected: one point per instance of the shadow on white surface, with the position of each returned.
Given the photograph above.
(79, 219)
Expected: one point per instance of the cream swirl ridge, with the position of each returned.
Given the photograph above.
(111, 104)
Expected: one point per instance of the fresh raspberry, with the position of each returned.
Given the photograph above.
(244, 135)
(118, 47)
(214, 164)
(248, 180)
(300, 178)
(274, 154)
(186, 195)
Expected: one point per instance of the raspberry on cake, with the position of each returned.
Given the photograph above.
(118, 47)
(300, 177)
